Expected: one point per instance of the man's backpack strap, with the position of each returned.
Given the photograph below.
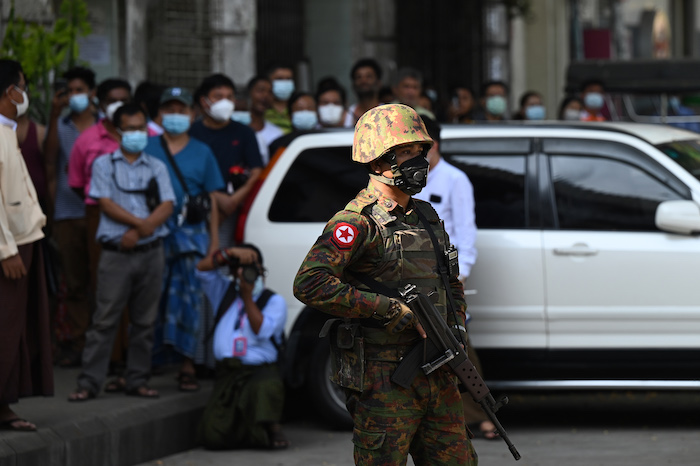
(226, 301)
(261, 303)
(229, 298)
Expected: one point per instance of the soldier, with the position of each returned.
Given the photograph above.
(377, 244)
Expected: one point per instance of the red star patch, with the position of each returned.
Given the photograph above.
(344, 235)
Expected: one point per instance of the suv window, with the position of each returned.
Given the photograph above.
(499, 188)
(597, 193)
(685, 153)
(319, 183)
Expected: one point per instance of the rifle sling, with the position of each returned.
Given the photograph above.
(442, 268)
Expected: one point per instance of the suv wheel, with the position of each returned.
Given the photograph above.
(328, 398)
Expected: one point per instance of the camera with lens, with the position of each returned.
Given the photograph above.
(250, 272)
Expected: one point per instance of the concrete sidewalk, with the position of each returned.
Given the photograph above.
(111, 430)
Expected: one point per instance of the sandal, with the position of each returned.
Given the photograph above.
(187, 382)
(115, 385)
(144, 391)
(25, 426)
(81, 394)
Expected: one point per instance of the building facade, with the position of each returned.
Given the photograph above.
(526, 43)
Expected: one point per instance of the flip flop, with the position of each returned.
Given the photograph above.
(187, 382)
(115, 385)
(9, 425)
(144, 391)
(80, 395)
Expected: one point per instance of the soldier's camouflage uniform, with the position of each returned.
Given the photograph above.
(373, 235)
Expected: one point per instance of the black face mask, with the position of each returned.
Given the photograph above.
(412, 175)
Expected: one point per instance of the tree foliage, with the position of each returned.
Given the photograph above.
(45, 52)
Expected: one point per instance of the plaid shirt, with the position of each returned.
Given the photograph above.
(129, 176)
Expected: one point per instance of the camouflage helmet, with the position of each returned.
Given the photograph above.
(384, 127)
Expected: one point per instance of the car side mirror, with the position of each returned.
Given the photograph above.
(678, 217)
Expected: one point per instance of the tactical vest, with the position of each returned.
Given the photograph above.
(408, 258)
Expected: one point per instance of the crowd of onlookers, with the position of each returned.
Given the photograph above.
(139, 185)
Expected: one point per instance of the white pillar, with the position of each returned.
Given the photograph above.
(546, 52)
(134, 68)
(233, 43)
(518, 63)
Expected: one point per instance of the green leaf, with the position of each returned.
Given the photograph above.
(45, 53)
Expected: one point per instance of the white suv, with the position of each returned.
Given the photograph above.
(587, 251)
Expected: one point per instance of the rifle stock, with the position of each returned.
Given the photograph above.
(443, 348)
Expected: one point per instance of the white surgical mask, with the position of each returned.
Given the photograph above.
(571, 114)
(112, 108)
(330, 114)
(221, 110)
(282, 88)
(21, 106)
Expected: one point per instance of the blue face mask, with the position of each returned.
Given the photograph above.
(535, 112)
(242, 117)
(176, 123)
(134, 141)
(304, 119)
(79, 102)
(282, 88)
(496, 105)
(259, 286)
(593, 100)
(674, 102)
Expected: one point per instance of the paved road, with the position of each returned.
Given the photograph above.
(602, 428)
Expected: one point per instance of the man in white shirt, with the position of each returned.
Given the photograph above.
(451, 194)
(25, 338)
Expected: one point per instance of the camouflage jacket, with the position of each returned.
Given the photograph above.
(352, 241)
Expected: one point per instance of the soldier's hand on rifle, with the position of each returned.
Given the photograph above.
(400, 317)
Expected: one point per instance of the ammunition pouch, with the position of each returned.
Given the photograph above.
(347, 353)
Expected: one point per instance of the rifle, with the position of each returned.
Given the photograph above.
(441, 347)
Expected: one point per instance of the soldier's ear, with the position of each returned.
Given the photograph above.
(375, 166)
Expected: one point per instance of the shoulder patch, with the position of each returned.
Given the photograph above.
(344, 235)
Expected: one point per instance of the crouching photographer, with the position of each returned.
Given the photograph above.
(246, 404)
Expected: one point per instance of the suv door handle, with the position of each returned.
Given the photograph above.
(576, 250)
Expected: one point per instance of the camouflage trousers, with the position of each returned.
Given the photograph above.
(425, 420)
